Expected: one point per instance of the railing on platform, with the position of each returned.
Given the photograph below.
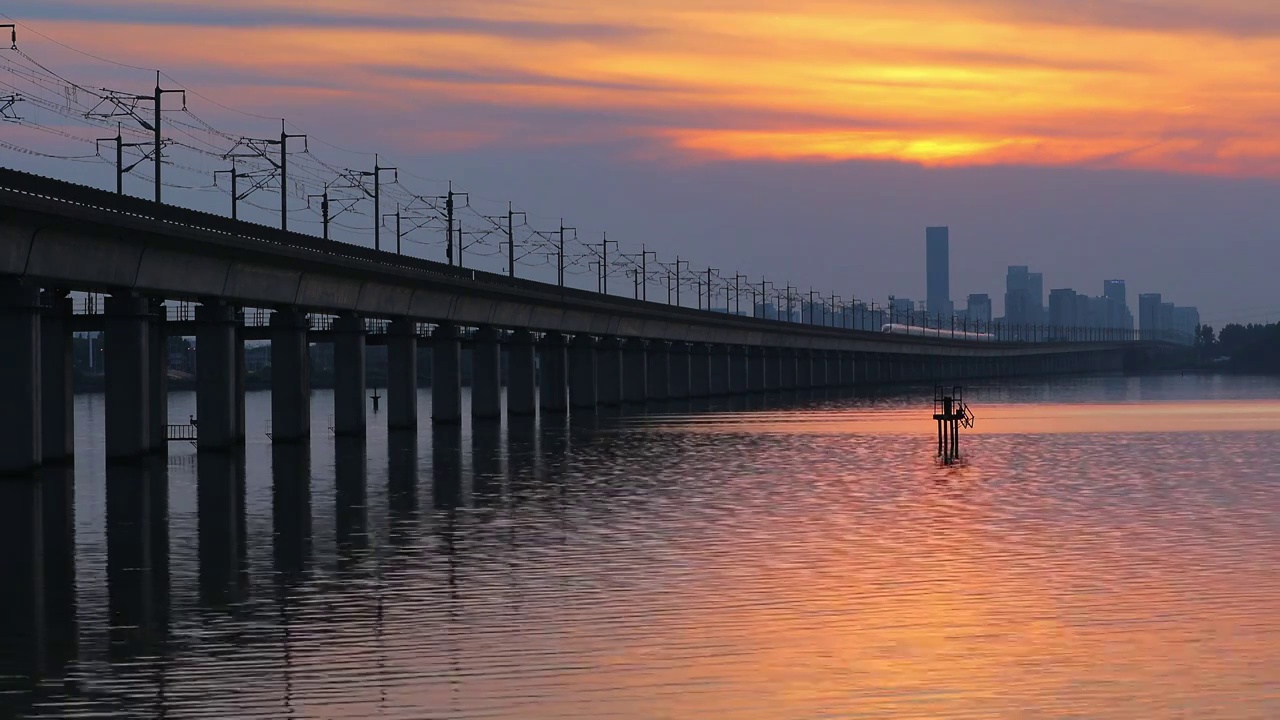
(185, 432)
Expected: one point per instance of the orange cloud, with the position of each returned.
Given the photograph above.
(937, 82)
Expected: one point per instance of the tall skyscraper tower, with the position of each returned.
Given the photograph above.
(938, 271)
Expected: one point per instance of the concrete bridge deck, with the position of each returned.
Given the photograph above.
(72, 237)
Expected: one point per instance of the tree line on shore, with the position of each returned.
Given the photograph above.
(1246, 348)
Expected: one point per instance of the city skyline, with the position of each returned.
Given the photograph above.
(861, 211)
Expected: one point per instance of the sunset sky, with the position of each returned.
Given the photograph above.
(810, 139)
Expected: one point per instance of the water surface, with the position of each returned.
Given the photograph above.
(1108, 550)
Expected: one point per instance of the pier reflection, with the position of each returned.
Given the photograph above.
(402, 484)
(221, 530)
(137, 558)
(351, 498)
(57, 486)
(22, 602)
(291, 511)
(487, 474)
(447, 489)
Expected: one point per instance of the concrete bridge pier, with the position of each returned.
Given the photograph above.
(611, 371)
(215, 375)
(755, 363)
(935, 370)
(349, 416)
(700, 370)
(241, 379)
(790, 369)
(290, 377)
(635, 371)
(57, 416)
(804, 369)
(21, 441)
(738, 367)
(721, 370)
(822, 369)
(522, 376)
(486, 375)
(583, 387)
(882, 367)
(402, 374)
(772, 369)
(127, 357)
(848, 372)
(446, 375)
(554, 396)
(159, 381)
(861, 363)
(680, 373)
(659, 361)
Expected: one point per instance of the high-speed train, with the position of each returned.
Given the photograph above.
(937, 332)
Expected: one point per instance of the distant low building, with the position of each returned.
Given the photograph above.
(979, 309)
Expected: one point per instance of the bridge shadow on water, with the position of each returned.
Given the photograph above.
(400, 495)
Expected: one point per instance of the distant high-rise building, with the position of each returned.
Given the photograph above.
(1022, 299)
(1149, 316)
(1063, 312)
(979, 310)
(938, 271)
(1035, 284)
(1166, 320)
(1117, 313)
(1115, 290)
(1186, 321)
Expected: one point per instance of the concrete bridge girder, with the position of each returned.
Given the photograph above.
(91, 248)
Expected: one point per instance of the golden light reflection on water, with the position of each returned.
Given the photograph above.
(1027, 419)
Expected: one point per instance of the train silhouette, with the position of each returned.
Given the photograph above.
(897, 329)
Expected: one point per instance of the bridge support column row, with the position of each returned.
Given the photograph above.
(215, 376)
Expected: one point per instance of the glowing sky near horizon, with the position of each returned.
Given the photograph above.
(1170, 85)
(809, 140)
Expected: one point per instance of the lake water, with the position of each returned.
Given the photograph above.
(1109, 549)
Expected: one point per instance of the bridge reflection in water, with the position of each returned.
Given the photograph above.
(160, 600)
(485, 569)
